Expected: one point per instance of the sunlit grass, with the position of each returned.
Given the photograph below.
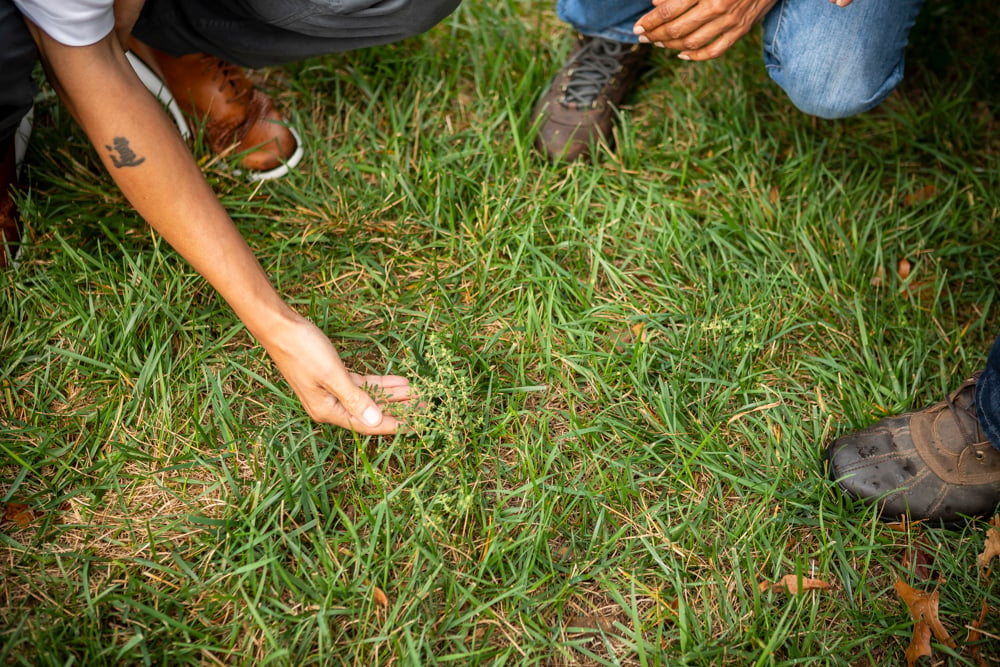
(653, 352)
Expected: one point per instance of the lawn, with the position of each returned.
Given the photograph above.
(633, 367)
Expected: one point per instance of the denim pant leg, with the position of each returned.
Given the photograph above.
(597, 18)
(259, 33)
(18, 57)
(988, 396)
(834, 61)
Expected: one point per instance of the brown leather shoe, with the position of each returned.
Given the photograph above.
(10, 220)
(578, 108)
(234, 113)
(932, 464)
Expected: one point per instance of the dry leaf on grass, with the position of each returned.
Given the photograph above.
(379, 596)
(992, 547)
(903, 268)
(976, 634)
(920, 643)
(920, 195)
(18, 513)
(592, 622)
(920, 557)
(923, 608)
(794, 583)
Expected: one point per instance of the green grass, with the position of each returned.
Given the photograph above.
(655, 348)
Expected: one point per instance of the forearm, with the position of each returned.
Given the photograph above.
(145, 155)
(154, 169)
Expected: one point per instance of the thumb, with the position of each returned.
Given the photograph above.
(363, 409)
(371, 415)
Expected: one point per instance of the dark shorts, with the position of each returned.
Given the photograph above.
(251, 33)
(19, 56)
(258, 33)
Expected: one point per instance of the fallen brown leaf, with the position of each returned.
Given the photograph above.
(920, 643)
(919, 555)
(975, 634)
(903, 268)
(992, 546)
(674, 606)
(638, 330)
(381, 599)
(592, 622)
(18, 513)
(923, 606)
(793, 584)
(922, 194)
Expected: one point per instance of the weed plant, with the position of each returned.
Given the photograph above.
(632, 369)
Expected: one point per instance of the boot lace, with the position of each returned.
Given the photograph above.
(596, 64)
(229, 78)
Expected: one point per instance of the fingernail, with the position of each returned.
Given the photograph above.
(372, 416)
(638, 30)
(683, 56)
(659, 44)
(643, 39)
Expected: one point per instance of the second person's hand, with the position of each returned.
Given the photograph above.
(700, 29)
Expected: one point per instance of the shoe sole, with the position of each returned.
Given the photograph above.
(283, 168)
(155, 85)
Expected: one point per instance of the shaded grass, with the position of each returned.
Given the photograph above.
(660, 346)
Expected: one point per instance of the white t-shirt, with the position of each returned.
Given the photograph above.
(71, 22)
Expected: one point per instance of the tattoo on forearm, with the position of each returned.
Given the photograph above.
(122, 154)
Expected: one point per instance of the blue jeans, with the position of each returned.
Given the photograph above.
(832, 62)
(988, 396)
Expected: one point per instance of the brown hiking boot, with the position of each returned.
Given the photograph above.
(578, 108)
(933, 464)
(235, 114)
(10, 219)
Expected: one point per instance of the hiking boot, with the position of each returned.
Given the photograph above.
(578, 108)
(934, 464)
(235, 114)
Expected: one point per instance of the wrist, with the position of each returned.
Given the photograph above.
(270, 323)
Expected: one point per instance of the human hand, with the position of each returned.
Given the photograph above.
(700, 29)
(841, 3)
(327, 390)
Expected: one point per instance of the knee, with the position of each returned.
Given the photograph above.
(836, 92)
(831, 103)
